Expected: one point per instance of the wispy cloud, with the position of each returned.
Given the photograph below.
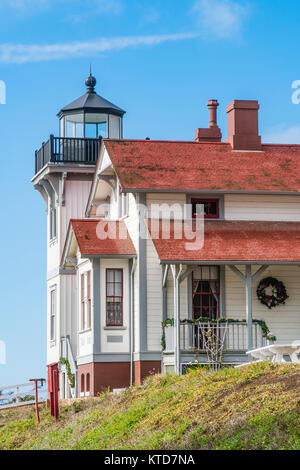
(21, 53)
(282, 135)
(220, 18)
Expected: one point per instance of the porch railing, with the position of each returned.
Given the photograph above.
(234, 336)
(67, 150)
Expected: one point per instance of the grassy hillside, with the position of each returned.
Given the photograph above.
(257, 407)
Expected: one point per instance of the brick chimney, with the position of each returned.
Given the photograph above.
(212, 133)
(243, 125)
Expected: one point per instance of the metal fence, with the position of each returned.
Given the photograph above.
(20, 394)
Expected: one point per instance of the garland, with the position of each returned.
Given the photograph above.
(71, 376)
(279, 294)
(170, 322)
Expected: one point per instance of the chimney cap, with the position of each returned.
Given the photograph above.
(242, 104)
(213, 103)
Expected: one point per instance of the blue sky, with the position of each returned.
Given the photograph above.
(161, 61)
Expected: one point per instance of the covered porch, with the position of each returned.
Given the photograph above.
(188, 336)
(212, 291)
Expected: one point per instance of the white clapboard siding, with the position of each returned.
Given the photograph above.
(283, 321)
(68, 305)
(174, 201)
(154, 273)
(132, 223)
(262, 207)
(154, 298)
(183, 298)
(76, 196)
(53, 346)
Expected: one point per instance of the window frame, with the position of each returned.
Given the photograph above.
(201, 201)
(53, 313)
(108, 325)
(53, 223)
(201, 293)
(85, 301)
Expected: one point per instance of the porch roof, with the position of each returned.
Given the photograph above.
(89, 236)
(233, 242)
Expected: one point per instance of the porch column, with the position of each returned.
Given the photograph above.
(248, 279)
(176, 271)
(165, 270)
(249, 283)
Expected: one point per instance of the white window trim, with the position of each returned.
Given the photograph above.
(53, 224)
(53, 337)
(85, 328)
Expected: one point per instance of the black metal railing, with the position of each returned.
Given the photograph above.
(67, 150)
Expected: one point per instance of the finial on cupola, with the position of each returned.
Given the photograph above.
(90, 82)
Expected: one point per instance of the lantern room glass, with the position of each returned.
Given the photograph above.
(84, 125)
(95, 125)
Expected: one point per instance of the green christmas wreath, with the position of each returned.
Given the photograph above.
(279, 294)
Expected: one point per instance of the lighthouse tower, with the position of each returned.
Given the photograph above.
(64, 168)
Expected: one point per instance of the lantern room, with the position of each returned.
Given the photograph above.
(91, 116)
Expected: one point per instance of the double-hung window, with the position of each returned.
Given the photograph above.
(114, 297)
(53, 305)
(86, 303)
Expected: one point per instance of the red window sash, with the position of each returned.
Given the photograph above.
(114, 296)
(201, 202)
(202, 292)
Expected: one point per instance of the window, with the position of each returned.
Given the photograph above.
(52, 313)
(88, 381)
(206, 292)
(82, 384)
(86, 303)
(53, 231)
(210, 208)
(114, 297)
(74, 126)
(124, 205)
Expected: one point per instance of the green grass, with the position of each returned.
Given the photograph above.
(257, 407)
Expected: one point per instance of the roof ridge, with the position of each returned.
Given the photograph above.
(166, 141)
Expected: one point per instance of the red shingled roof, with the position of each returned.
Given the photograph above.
(162, 165)
(236, 241)
(87, 233)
